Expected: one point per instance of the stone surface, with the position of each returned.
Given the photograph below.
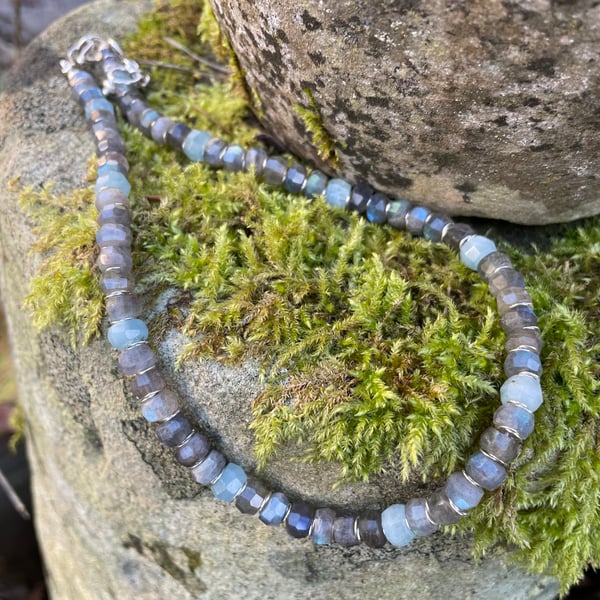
(117, 517)
(484, 108)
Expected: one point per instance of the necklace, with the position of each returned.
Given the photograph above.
(397, 524)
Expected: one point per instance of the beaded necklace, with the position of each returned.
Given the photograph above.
(397, 524)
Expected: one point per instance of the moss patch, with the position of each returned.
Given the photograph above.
(388, 352)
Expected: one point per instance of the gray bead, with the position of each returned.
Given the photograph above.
(160, 407)
(195, 449)
(114, 157)
(511, 297)
(322, 527)
(343, 531)
(275, 170)
(370, 529)
(440, 509)
(517, 318)
(415, 219)
(492, 263)
(396, 213)
(485, 472)
(500, 445)
(522, 360)
(109, 196)
(114, 213)
(233, 158)
(111, 257)
(254, 159)
(136, 359)
(252, 497)
(213, 153)
(123, 306)
(147, 383)
(530, 338)
(461, 492)
(417, 519)
(455, 234)
(505, 279)
(115, 281)
(210, 468)
(295, 179)
(160, 128)
(514, 419)
(112, 234)
(174, 431)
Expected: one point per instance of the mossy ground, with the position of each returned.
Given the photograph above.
(388, 352)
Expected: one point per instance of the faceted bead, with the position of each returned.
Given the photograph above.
(233, 158)
(176, 135)
(275, 170)
(322, 528)
(275, 509)
(530, 338)
(295, 178)
(146, 383)
(499, 444)
(134, 112)
(517, 318)
(396, 213)
(344, 532)
(109, 166)
(254, 160)
(114, 213)
(415, 219)
(98, 104)
(440, 509)
(86, 93)
(158, 129)
(174, 431)
(522, 360)
(99, 115)
(505, 278)
(434, 227)
(485, 472)
(195, 143)
(316, 183)
(417, 517)
(114, 157)
(514, 419)
(232, 480)
(136, 359)
(299, 519)
(123, 306)
(359, 197)
(511, 297)
(395, 527)
(337, 193)
(113, 179)
(109, 142)
(116, 281)
(377, 208)
(108, 196)
(196, 448)
(455, 234)
(474, 250)
(79, 76)
(370, 529)
(251, 497)
(114, 235)
(112, 257)
(125, 333)
(147, 118)
(524, 389)
(213, 153)
(492, 263)
(160, 406)
(461, 492)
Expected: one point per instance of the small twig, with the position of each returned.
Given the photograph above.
(209, 63)
(12, 496)
(162, 65)
(213, 120)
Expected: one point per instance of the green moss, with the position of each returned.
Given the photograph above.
(388, 352)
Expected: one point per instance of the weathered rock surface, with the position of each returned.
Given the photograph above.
(482, 108)
(116, 517)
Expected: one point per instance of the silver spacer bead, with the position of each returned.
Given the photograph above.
(116, 293)
(149, 395)
(494, 458)
(356, 530)
(443, 235)
(520, 405)
(428, 514)
(264, 502)
(169, 417)
(470, 479)
(240, 490)
(287, 513)
(185, 441)
(467, 237)
(455, 508)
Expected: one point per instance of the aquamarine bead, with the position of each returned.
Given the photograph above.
(395, 526)
(275, 509)
(232, 480)
(113, 179)
(109, 167)
(462, 493)
(98, 104)
(124, 333)
(524, 389)
(337, 193)
(475, 249)
(485, 472)
(315, 184)
(195, 144)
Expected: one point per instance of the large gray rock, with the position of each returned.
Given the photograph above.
(483, 108)
(116, 517)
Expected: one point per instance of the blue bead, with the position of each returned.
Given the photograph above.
(213, 152)
(147, 118)
(113, 234)
(417, 517)
(299, 519)
(396, 213)
(195, 144)
(522, 360)
(232, 480)
(461, 492)
(275, 170)
(233, 158)
(254, 160)
(125, 333)
(514, 419)
(485, 472)
(160, 407)
(275, 509)
(524, 389)
(395, 527)
(475, 249)
(322, 529)
(98, 104)
(294, 178)
(338, 193)
(113, 180)
(109, 167)
(434, 227)
(415, 219)
(376, 208)
(315, 184)
(210, 468)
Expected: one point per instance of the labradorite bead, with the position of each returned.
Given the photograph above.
(108, 166)
(194, 450)
(176, 135)
(485, 472)
(254, 160)
(322, 528)
(160, 407)
(517, 318)
(396, 213)
(195, 143)
(174, 431)
(125, 333)
(299, 519)
(114, 213)
(147, 383)
(111, 144)
(526, 337)
(337, 193)
(434, 227)
(395, 527)
(500, 445)
(343, 531)
(134, 111)
(233, 158)
(295, 178)
(112, 234)
(316, 183)
(136, 359)
(116, 281)
(79, 76)
(123, 306)
(275, 509)
(514, 419)
(511, 297)
(147, 118)
(416, 517)
(111, 257)
(230, 482)
(474, 249)
(461, 492)
(213, 152)
(370, 529)
(158, 129)
(504, 279)
(114, 157)
(440, 509)
(251, 497)
(377, 208)
(108, 196)
(524, 389)
(359, 197)
(455, 234)
(86, 93)
(415, 219)
(275, 170)
(522, 360)
(98, 104)
(492, 263)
